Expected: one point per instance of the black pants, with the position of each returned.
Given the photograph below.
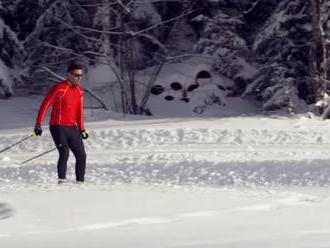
(66, 139)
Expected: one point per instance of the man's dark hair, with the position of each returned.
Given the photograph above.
(75, 66)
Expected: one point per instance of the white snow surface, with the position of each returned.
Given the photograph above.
(244, 181)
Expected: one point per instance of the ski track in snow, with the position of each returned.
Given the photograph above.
(177, 156)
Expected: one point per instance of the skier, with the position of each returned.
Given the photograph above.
(67, 121)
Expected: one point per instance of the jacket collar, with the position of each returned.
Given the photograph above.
(72, 86)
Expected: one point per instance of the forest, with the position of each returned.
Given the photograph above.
(275, 51)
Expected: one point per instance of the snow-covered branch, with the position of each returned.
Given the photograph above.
(252, 7)
(131, 33)
(126, 9)
(70, 26)
(185, 13)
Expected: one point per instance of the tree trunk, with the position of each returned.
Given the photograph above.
(151, 82)
(131, 71)
(319, 48)
(121, 62)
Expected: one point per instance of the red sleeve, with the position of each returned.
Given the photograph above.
(80, 115)
(47, 102)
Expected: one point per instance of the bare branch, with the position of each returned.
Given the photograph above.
(132, 33)
(56, 47)
(154, 40)
(102, 4)
(127, 10)
(53, 73)
(96, 97)
(76, 31)
(185, 13)
(108, 62)
(252, 8)
(151, 82)
(192, 55)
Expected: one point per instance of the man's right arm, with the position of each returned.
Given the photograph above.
(47, 102)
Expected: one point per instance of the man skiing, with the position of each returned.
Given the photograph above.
(67, 121)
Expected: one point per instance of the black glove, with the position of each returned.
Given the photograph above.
(37, 130)
(84, 134)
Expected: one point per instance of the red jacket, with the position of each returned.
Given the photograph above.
(67, 102)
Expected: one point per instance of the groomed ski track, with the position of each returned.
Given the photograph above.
(210, 152)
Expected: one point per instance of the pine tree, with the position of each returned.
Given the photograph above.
(282, 49)
(11, 53)
(50, 33)
(222, 39)
(320, 43)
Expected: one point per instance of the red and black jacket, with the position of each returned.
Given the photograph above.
(67, 102)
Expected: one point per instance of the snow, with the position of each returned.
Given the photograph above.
(186, 73)
(248, 71)
(137, 216)
(100, 74)
(238, 182)
(101, 79)
(230, 178)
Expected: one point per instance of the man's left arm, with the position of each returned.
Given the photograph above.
(80, 117)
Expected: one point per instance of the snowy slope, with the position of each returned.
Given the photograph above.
(171, 182)
(174, 182)
(210, 151)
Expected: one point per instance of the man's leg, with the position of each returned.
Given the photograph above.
(77, 147)
(61, 141)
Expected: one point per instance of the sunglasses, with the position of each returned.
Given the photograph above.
(76, 75)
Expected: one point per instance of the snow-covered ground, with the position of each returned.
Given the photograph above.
(245, 181)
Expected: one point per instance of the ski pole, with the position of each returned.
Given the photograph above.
(8, 147)
(39, 155)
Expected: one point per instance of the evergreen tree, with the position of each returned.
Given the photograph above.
(275, 51)
(282, 51)
(11, 52)
(222, 39)
(48, 30)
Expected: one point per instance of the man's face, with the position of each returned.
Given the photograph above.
(74, 76)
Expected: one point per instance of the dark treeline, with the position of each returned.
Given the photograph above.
(275, 51)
